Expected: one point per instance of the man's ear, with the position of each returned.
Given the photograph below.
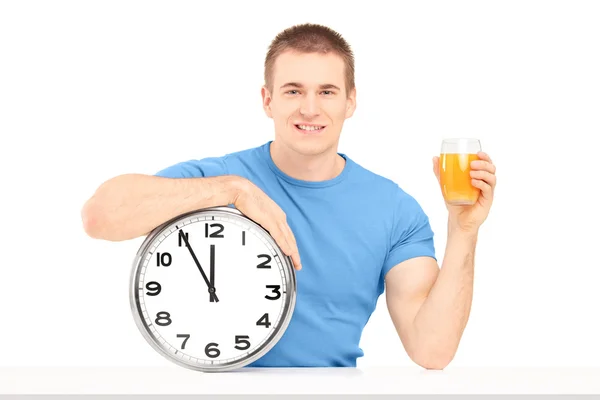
(266, 100)
(351, 103)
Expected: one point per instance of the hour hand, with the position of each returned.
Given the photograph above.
(211, 289)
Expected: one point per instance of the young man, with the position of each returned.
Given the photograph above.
(353, 231)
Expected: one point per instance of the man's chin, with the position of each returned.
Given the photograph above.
(312, 149)
(308, 146)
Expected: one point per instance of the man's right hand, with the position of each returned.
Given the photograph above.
(256, 205)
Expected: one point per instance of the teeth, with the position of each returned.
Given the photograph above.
(309, 128)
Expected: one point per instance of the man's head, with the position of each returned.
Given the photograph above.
(309, 83)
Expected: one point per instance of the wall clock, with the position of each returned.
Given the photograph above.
(211, 291)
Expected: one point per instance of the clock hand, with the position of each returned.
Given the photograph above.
(212, 270)
(211, 289)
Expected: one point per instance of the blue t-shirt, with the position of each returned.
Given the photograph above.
(350, 231)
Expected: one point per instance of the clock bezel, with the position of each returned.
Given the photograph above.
(279, 330)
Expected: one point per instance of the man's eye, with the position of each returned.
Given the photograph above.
(326, 92)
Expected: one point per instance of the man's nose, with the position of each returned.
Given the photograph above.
(309, 106)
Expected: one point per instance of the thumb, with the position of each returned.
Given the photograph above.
(436, 167)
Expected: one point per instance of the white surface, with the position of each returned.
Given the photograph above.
(165, 380)
(89, 90)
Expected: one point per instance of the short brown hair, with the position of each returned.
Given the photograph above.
(310, 38)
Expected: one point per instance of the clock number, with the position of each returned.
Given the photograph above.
(264, 321)
(181, 241)
(186, 336)
(163, 259)
(242, 340)
(153, 287)
(275, 289)
(215, 234)
(264, 264)
(211, 350)
(163, 315)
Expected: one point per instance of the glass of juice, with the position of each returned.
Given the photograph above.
(455, 167)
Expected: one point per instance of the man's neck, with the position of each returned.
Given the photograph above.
(315, 168)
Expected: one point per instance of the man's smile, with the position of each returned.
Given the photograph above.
(309, 128)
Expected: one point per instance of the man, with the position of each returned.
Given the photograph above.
(353, 231)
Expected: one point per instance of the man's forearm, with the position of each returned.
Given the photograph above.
(130, 205)
(441, 320)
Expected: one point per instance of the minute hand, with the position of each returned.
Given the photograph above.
(211, 289)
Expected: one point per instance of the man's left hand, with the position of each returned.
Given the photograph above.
(483, 177)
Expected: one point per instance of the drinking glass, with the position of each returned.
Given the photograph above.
(455, 167)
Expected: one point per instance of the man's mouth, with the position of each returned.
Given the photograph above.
(310, 128)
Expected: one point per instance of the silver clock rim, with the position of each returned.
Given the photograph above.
(288, 310)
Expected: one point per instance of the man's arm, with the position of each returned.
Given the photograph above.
(131, 205)
(430, 306)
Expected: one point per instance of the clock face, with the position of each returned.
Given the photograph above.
(211, 290)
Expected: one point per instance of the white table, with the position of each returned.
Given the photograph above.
(396, 380)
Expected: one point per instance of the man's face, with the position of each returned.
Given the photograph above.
(309, 102)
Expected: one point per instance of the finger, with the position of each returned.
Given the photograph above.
(436, 167)
(278, 235)
(296, 261)
(483, 165)
(484, 156)
(286, 246)
(486, 190)
(290, 235)
(291, 240)
(486, 176)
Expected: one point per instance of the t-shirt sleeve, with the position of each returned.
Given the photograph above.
(205, 167)
(412, 235)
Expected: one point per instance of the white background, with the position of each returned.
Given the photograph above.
(90, 90)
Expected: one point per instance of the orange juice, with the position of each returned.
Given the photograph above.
(455, 178)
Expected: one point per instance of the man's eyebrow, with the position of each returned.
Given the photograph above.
(324, 86)
(329, 86)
